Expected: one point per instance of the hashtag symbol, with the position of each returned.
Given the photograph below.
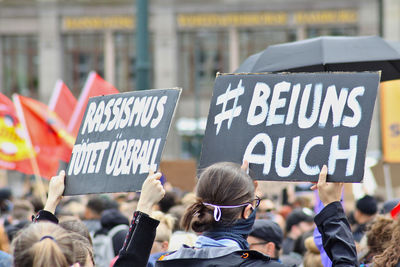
(224, 99)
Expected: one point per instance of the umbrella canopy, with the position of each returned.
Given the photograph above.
(328, 53)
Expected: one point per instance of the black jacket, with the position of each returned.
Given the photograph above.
(337, 238)
(216, 256)
(138, 241)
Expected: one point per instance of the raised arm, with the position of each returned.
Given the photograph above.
(56, 189)
(140, 238)
(332, 223)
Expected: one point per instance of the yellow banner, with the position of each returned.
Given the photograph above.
(232, 19)
(390, 120)
(12, 143)
(326, 17)
(98, 23)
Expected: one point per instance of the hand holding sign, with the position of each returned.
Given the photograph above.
(56, 189)
(152, 192)
(328, 192)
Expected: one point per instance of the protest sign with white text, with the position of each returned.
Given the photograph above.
(288, 125)
(120, 139)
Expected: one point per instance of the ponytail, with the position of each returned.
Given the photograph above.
(43, 244)
(48, 253)
(220, 185)
(198, 217)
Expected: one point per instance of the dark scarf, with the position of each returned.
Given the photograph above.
(239, 231)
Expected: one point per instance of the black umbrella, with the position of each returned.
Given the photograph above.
(328, 53)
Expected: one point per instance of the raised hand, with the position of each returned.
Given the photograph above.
(56, 189)
(152, 192)
(328, 192)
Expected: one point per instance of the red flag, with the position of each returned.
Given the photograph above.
(62, 101)
(395, 211)
(14, 151)
(47, 134)
(94, 86)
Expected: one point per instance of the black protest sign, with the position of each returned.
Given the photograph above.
(289, 125)
(121, 137)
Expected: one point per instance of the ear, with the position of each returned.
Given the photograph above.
(247, 211)
(270, 248)
(164, 245)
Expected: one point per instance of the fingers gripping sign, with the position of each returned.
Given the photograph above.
(328, 192)
(152, 192)
(56, 190)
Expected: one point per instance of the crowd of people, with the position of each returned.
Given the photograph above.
(226, 221)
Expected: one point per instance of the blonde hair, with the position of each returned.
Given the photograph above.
(164, 229)
(312, 258)
(43, 244)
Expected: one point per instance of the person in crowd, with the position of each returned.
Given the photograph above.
(389, 205)
(163, 235)
(113, 219)
(266, 237)
(84, 253)
(142, 231)
(168, 201)
(390, 257)
(299, 222)
(224, 213)
(139, 239)
(366, 209)
(332, 223)
(312, 257)
(44, 244)
(20, 217)
(378, 237)
(94, 207)
(76, 226)
(337, 238)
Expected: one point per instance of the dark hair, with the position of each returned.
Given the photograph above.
(225, 184)
(168, 201)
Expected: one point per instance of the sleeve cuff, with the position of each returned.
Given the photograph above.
(44, 215)
(332, 209)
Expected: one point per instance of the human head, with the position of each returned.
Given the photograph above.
(379, 234)
(83, 250)
(299, 221)
(266, 237)
(22, 210)
(366, 208)
(224, 184)
(96, 205)
(164, 231)
(76, 226)
(312, 258)
(43, 244)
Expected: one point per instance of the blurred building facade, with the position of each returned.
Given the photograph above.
(45, 40)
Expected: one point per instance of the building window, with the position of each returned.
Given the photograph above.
(82, 54)
(341, 31)
(256, 40)
(201, 55)
(19, 65)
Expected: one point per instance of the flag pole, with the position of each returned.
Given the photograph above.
(35, 166)
(388, 181)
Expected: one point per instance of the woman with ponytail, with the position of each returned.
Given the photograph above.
(43, 244)
(224, 214)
